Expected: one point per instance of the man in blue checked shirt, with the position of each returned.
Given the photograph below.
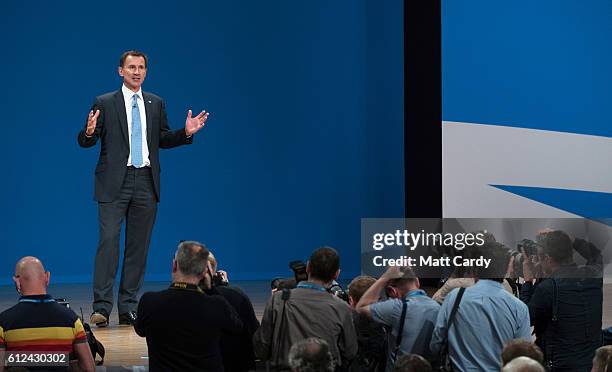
(402, 287)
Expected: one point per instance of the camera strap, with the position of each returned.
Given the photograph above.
(186, 287)
(400, 333)
(444, 351)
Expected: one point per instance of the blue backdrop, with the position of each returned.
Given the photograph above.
(305, 135)
(541, 65)
(533, 64)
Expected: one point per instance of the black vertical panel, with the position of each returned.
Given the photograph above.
(422, 108)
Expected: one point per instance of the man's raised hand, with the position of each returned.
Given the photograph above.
(92, 119)
(194, 124)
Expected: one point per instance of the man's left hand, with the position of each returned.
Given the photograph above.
(194, 124)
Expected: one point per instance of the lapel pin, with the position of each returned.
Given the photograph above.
(149, 101)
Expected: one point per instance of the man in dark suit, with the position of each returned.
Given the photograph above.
(132, 126)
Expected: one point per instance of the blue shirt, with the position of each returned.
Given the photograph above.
(421, 314)
(487, 318)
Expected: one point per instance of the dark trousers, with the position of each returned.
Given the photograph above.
(136, 204)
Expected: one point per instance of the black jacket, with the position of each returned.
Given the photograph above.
(237, 349)
(566, 311)
(183, 328)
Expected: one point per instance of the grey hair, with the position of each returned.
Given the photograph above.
(311, 355)
(191, 258)
(523, 364)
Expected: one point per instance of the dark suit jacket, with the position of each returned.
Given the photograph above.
(111, 129)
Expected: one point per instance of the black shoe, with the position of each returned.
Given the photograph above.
(99, 318)
(128, 318)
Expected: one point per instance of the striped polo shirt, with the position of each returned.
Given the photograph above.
(38, 323)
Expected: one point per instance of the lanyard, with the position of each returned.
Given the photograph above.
(42, 301)
(418, 292)
(186, 287)
(311, 286)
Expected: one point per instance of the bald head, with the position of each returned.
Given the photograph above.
(523, 364)
(30, 276)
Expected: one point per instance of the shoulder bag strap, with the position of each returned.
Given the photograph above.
(398, 339)
(452, 317)
(285, 297)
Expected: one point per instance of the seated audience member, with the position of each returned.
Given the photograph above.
(311, 355)
(565, 306)
(235, 344)
(420, 313)
(602, 362)
(412, 363)
(523, 364)
(307, 311)
(487, 317)
(371, 336)
(517, 348)
(182, 324)
(39, 324)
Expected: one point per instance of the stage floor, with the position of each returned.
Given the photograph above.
(125, 348)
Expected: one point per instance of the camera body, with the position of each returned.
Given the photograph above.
(218, 280)
(300, 275)
(336, 289)
(529, 247)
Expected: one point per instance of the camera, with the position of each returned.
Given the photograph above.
(300, 275)
(338, 291)
(218, 280)
(529, 247)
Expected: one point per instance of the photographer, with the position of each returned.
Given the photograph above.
(307, 311)
(236, 349)
(183, 325)
(371, 336)
(409, 314)
(565, 304)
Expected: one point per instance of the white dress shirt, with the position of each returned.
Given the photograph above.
(127, 97)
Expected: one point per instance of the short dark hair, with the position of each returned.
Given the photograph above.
(499, 255)
(311, 355)
(412, 363)
(191, 258)
(359, 286)
(324, 263)
(519, 347)
(558, 245)
(134, 53)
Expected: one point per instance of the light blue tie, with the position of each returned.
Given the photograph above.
(136, 145)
